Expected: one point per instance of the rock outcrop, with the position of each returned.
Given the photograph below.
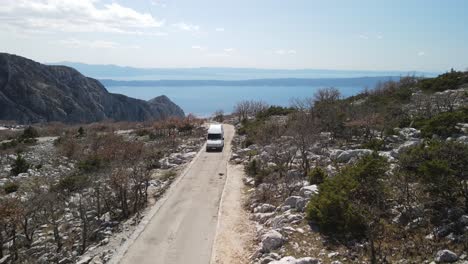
(31, 92)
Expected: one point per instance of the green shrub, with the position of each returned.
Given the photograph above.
(10, 187)
(72, 183)
(90, 164)
(81, 132)
(10, 144)
(168, 175)
(275, 110)
(186, 127)
(443, 124)
(143, 132)
(374, 144)
(20, 165)
(440, 167)
(348, 200)
(254, 169)
(446, 81)
(248, 142)
(317, 176)
(29, 132)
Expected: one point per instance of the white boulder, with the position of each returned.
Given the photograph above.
(264, 208)
(347, 155)
(446, 256)
(271, 240)
(292, 260)
(308, 191)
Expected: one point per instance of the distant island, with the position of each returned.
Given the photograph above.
(324, 82)
(109, 71)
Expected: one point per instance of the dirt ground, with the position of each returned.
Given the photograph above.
(235, 232)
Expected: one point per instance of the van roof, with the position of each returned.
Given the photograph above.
(215, 129)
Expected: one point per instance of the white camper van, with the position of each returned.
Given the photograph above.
(215, 138)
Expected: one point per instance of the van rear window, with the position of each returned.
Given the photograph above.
(214, 136)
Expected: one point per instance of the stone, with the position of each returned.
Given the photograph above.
(292, 200)
(271, 240)
(308, 191)
(446, 256)
(65, 261)
(301, 204)
(5, 259)
(96, 260)
(347, 155)
(189, 155)
(105, 241)
(285, 260)
(406, 145)
(280, 221)
(84, 260)
(264, 208)
(409, 132)
(266, 260)
(105, 217)
(262, 217)
(308, 260)
(292, 260)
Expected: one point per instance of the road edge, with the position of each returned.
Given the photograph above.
(218, 222)
(122, 250)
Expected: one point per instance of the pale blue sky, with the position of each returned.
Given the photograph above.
(356, 35)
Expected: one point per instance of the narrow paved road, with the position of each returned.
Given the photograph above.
(183, 229)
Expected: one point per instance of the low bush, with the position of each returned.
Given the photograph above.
(317, 176)
(68, 146)
(90, 164)
(347, 201)
(446, 81)
(10, 187)
(81, 131)
(10, 144)
(275, 110)
(72, 183)
(443, 124)
(20, 165)
(29, 133)
(440, 168)
(374, 144)
(255, 170)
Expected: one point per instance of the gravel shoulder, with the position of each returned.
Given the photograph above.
(235, 232)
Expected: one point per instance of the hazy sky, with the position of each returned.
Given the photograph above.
(430, 35)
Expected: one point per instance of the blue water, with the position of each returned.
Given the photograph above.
(205, 100)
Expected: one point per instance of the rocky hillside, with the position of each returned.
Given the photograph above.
(376, 178)
(31, 92)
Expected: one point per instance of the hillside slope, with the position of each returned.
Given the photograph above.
(31, 92)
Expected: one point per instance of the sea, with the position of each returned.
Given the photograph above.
(203, 101)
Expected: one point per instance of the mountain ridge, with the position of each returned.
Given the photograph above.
(31, 92)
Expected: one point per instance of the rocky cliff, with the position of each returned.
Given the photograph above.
(31, 92)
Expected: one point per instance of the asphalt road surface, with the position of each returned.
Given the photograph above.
(183, 229)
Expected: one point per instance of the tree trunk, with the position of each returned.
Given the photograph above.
(14, 246)
(57, 237)
(84, 229)
(27, 234)
(373, 255)
(1, 244)
(98, 201)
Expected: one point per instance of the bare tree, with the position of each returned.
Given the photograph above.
(329, 110)
(246, 108)
(218, 115)
(304, 131)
